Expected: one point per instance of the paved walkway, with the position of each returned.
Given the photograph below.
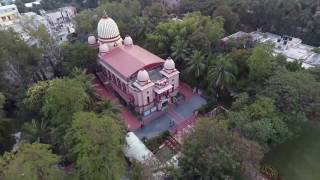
(173, 120)
(130, 118)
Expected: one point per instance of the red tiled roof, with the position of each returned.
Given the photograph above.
(128, 60)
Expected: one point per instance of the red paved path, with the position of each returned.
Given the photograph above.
(186, 90)
(131, 120)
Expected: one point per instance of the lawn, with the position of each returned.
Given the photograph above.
(298, 159)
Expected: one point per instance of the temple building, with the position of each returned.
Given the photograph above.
(143, 80)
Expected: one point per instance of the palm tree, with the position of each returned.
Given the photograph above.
(179, 50)
(196, 64)
(86, 82)
(221, 74)
(108, 108)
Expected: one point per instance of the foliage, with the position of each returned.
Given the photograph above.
(270, 172)
(108, 108)
(259, 121)
(212, 152)
(203, 34)
(196, 65)
(77, 56)
(221, 74)
(86, 81)
(2, 101)
(86, 22)
(260, 63)
(296, 94)
(141, 171)
(53, 104)
(154, 143)
(297, 18)
(232, 19)
(63, 98)
(95, 143)
(6, 131)
(53, 4)
(31, 162)
(316, 50)
(34, 99)
(18, 62)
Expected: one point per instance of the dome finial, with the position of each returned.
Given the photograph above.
(105, 15)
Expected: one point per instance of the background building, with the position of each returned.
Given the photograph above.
(291, 47)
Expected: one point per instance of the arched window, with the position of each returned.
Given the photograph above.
(148, 100)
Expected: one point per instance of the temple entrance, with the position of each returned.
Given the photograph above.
(164, 105)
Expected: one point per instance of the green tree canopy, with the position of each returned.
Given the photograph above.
(77, 55)
(296, 94)
(259, 121)
(95, 143)
(212, 152)
(260, 63)
(53, 103)
(31, 162)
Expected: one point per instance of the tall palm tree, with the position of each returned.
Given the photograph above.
(221, 74)
(108, 108)
(196, 64)
(179, 50)
(86, 81)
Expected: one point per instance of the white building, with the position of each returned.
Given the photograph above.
(291, 47)
(8, 15)
(135, 150)
(58, 23)
(31, 4)
(61, 22)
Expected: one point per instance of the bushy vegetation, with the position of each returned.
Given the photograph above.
(63, 121)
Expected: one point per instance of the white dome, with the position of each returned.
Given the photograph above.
(92, 40)
(128, 41)
(143, 76)
(169, 64)
(104, 48)
(108, 30)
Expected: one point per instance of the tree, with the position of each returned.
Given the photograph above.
(6, 128)
(63, 98)
(203, 32)
(260, 63)
(259, 121)
(108, 108)
(143, 171)
(95, 143)
(196, 64)
(221, 74)
(6, 131)
(2, 101)
(86, 81)
(231, 19)
(31, 162)
(18, 64)
(180, 51)
(296, 95)
(212, 152)
(155, 12)
(86, 22)
(77, 56)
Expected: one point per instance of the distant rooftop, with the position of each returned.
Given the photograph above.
(291, 47)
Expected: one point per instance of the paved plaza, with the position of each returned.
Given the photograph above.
(173, 118)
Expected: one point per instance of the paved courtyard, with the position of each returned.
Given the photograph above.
(175, 116)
